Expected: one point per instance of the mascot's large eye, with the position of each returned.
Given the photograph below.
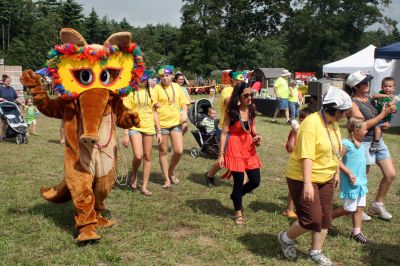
(83, 76)
(109, 75)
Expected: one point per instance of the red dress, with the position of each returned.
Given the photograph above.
(241, 154)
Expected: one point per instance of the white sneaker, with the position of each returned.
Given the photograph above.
(376, 210)
(288, 249)
(320, 259)
(366, 217)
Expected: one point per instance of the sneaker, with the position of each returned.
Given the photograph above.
(320, 259)
(290, 214)
(209, 180)
(288, 249)
(360, 238)
(365, 217)
(273, 120)
(374, 146)
(379, 211)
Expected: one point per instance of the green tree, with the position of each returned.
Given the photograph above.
(319, 31)
(92, 25)
(71, 14)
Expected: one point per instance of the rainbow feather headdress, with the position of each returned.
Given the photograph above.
(77, 68)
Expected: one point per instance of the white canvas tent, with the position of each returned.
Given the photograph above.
(362, 60)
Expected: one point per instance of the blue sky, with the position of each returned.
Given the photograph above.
(143, 12)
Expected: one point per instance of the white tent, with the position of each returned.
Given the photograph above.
(362, 60)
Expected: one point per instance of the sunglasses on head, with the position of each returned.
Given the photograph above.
(247, 95)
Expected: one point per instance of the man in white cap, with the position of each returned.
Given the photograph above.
(282, 92)
(314, 161)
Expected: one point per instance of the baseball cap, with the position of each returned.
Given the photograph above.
(339, 97)
(356, 78)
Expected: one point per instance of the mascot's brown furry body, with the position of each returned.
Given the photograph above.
(90, 141)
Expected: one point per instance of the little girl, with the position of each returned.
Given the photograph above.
(141, 138)
(31, 112)
(353, 177)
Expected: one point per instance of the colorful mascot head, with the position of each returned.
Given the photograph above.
(76, 66)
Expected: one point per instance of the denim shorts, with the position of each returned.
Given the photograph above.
(283, 104)
(134, 132)
(381, 154)
(167, 131)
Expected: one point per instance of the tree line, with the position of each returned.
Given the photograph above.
(299, 35)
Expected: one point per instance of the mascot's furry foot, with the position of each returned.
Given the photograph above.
(86, 236)
(103, 222)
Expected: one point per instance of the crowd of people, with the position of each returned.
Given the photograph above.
(319, 160)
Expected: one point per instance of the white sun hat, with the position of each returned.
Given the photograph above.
(339, 97)
(285, 72)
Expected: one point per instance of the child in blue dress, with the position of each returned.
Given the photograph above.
(353, 178)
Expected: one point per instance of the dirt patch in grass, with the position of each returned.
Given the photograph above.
(181, 232)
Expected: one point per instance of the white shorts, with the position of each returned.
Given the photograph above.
(351, 205)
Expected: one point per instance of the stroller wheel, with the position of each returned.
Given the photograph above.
(25, 139)
(194, 153)
(19, 139)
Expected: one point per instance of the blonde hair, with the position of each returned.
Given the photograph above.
(354, 123)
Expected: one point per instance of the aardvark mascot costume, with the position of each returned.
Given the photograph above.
(90, 81)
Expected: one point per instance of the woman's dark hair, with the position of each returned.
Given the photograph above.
(180, 75)
(330, 109)
(303, 113)
(233, 108)
(147, 87)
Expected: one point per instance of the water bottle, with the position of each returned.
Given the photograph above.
(211, 96)
(396, 99)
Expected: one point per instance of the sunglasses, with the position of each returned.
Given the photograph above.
(247, 95)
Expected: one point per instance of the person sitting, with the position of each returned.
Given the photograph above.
(208, 122)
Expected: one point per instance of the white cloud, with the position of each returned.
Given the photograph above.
(138, 13)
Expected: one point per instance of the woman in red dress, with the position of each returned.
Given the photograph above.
(239, 153)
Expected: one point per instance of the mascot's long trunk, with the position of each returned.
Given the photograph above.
(92, 105)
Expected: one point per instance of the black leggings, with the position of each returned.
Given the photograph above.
(239, 190)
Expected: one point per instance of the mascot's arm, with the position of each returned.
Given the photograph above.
(126, 118)
(49, 107)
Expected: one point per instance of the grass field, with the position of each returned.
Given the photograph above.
(189, 224)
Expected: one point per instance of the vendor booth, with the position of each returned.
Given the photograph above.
(362, 60)
(265, 77)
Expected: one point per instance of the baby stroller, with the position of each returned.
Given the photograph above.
(15, 124)
(208, 142)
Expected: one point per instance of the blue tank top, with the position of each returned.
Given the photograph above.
(355, 161)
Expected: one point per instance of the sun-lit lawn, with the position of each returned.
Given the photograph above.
(189, 224)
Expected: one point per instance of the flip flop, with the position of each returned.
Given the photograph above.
(166, 185)
(174, 180)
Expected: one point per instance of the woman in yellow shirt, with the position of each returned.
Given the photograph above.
(312, 173)
(170, 99)
(141, 138)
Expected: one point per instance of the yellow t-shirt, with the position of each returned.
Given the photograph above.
(294, 96)
(226, 93)
(168, 112)
(282, 88)
(143, 104)
(313, 143)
